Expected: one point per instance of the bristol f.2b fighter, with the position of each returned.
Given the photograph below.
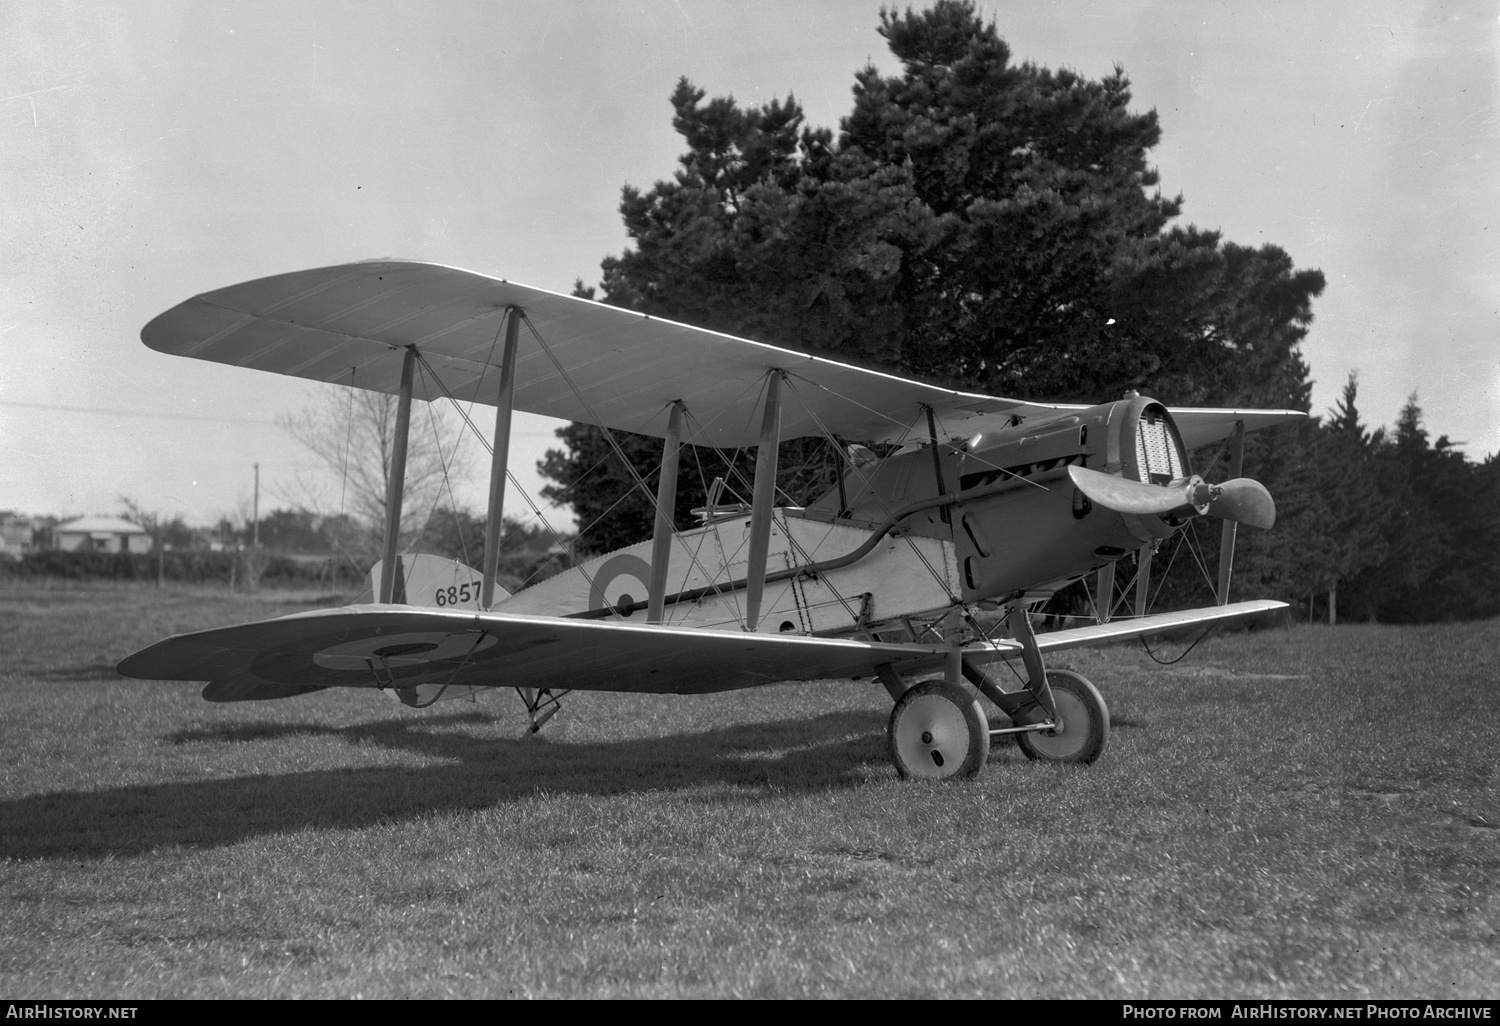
(919, 569)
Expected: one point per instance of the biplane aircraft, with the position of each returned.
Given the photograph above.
(919, 569)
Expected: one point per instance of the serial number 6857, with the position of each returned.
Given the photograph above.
(454, 594)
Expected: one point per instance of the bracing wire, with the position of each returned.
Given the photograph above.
(447, 479)
(1165, 574)
(588, 407)
(348, 442)
(905, 427)
(1193, 547)
(344, 476)
(510, 477)
(911, 543)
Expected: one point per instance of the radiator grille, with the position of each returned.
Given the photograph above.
(1158, 450)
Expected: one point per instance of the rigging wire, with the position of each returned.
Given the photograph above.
(589, 408)
(1167, 573)
(348, 442)
(1193, 547)
(905, 428)
(911, 543)
(510, 477)
(489, 359)
(344, 484)
(694, 561)
(463, 543)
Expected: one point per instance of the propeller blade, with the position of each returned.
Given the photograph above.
(1245, 502)
(1241, 500)
(1126, 496)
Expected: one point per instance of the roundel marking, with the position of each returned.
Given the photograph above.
(620, 579)
(400, 651)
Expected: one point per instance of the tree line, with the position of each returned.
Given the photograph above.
(996, 226)
(293, 547)
(1376, 524)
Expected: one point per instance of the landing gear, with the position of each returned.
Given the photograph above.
(937, 732)
(541, 705)
(1082, 723)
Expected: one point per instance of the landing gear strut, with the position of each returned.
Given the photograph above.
(541, 705)
(938, 731)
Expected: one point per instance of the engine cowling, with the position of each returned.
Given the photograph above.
(1019, 522)
(1023, 522)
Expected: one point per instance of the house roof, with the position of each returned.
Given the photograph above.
(111, 525)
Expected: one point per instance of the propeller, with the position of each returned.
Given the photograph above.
(1241, 500)
(1125, 496)
(1245, 501)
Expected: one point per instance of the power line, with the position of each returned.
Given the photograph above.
(136, 413)
(524, 433)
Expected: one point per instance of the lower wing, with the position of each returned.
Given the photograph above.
(385, 647)
(1121, 630)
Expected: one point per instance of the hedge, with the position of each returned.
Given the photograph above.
(186, 566)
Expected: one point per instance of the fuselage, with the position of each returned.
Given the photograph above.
(991, 519)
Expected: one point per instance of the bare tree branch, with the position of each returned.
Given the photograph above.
(352, 437)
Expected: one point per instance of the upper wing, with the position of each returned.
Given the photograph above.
(600, 364)
(1202, 426)
(403, 647)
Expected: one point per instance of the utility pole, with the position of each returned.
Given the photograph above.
(255, 512)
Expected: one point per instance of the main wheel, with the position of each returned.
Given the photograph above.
(1084, 726)
(938, 731)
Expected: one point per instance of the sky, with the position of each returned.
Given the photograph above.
(151, 151)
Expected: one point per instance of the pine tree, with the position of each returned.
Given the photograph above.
(1356, 507)
(977, 222)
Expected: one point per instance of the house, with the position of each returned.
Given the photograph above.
(101, 534)
(15, 533)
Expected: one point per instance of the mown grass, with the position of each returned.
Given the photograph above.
(1295, 813)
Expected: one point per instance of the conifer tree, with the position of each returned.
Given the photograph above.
(1356, 508)
(977, 222)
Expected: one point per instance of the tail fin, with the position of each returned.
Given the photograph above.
(433, 582)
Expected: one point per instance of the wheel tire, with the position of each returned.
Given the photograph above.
(938, 732)
(1085, 723)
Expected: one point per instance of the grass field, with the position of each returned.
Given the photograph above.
(1289, 813)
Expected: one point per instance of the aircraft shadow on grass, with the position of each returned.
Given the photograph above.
(826, 752)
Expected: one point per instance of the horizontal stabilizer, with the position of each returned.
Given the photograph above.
(434, 582)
